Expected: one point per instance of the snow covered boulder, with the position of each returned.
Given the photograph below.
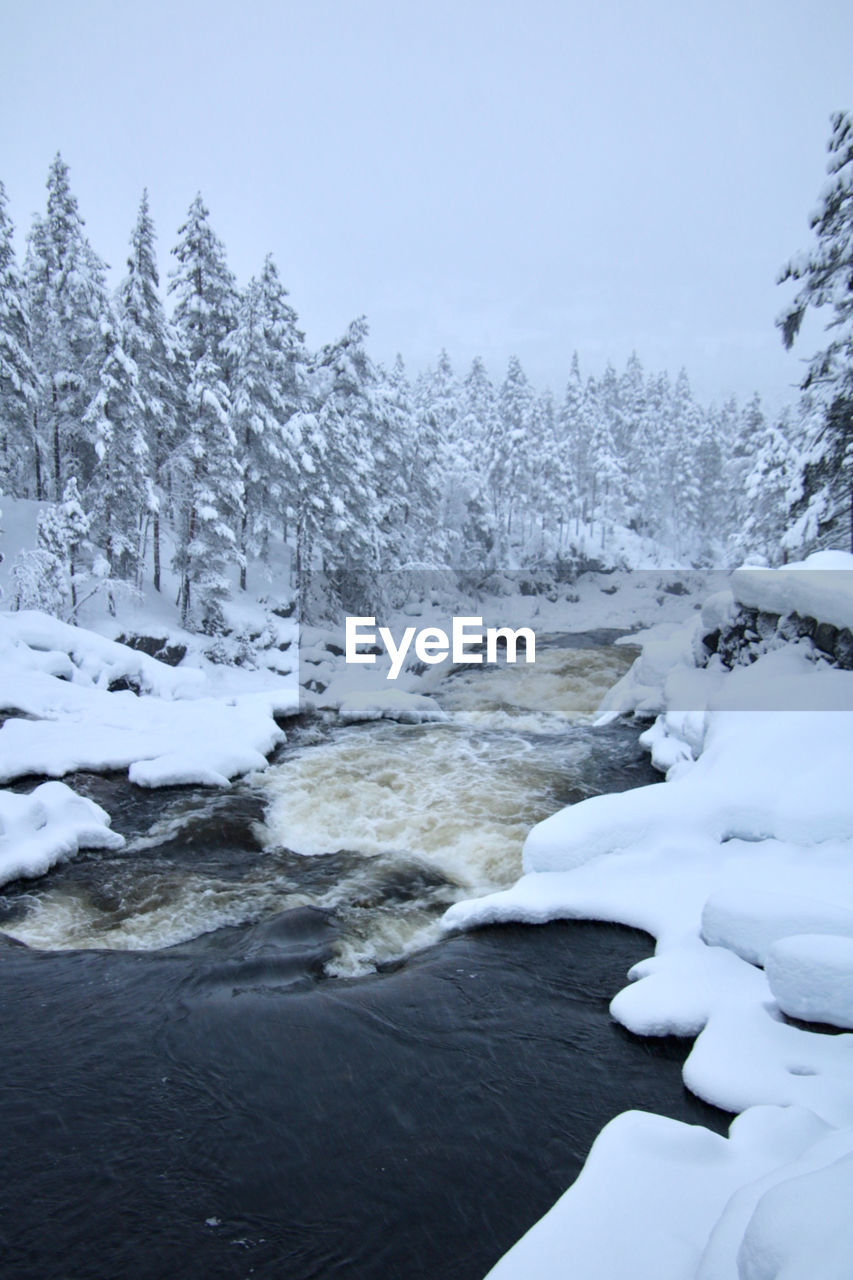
(41, 643)
(749, 925)
(820, 587)
(811, 976)
(389, 704)
(47, 826)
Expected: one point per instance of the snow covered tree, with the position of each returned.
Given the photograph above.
(633, 444)
(63, 529)
(767, 489)
(17, 373)
(67, 299)
(680, 481)
(149, 341)
(342, 461)
(120, 493)
(205, 464)
(477, 424)
(406, 505)
(826, 276)
(437, 409)
(712, 500)
(610, 446)
(545, 493)
(605, 471)
(507, 456)
(266, 353)
(574, 430)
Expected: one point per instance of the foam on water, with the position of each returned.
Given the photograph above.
(562, 685)
(460, 804)
(427, 814)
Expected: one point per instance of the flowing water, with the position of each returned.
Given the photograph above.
(186, 1091)
(382, 825)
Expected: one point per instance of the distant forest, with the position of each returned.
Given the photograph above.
(204, 436)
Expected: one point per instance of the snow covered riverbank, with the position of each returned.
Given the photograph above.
(742, 859)
(165, 725)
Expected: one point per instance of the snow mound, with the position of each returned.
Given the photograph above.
(38, 642)
(47, 826)
(802, 1228)
(811, 977)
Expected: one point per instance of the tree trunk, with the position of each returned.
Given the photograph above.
(57, 460)
(156, 545)
(185, 581)
(37, 456)
(243, 524)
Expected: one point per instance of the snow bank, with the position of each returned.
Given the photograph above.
(811, 977)
(746, 847)
(58, 676)
(794, 1222)
(819, 587)
(47, 826)
(659, 1173)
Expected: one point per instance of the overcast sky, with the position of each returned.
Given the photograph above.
(490, 177)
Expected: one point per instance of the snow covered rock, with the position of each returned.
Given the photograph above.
(47, 826)
(811, 976)
(748, 925)
(390, 704)
(58, 678)
(42, 643)
(820, 587)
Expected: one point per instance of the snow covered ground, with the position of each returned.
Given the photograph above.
(166, 725)
(741, 866)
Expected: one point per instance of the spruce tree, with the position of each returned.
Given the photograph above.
(149, 341)
(826, 276)
(339, 494)
(477, 426)
(574, 427)
(18, 391)
(206, 464)
(67, 300)
(508, 457)
(120, 493)
(267, 358)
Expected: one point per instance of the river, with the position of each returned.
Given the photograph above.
(241, 1047)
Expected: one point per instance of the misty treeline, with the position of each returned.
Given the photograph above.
(203, 437)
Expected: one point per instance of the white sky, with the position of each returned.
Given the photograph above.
(492, 177)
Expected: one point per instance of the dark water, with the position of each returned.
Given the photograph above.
(215, 1111)
(223, 1108)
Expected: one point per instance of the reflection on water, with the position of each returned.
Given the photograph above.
(382, 825)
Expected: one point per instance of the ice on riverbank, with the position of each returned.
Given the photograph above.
(746, 847)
